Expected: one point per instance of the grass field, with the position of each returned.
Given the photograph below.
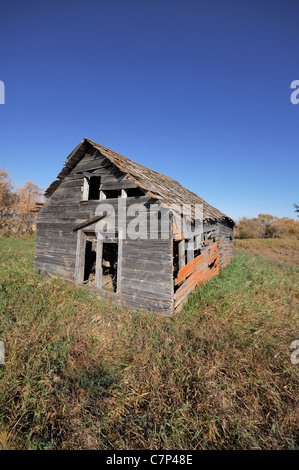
(284, 250)
(81, 373)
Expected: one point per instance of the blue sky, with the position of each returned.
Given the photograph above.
(197, 90)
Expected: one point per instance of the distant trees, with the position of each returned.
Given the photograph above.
(17, 206)
(267, 226)
(296, 209)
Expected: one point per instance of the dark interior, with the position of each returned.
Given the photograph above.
(109, 265)
(94, 187)
(112, 193)
(90, 261)
(134, 192)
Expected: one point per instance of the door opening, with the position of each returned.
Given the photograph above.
(97, 262)
(109, 266)
(90, 261)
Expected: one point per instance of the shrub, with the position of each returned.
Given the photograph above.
(17, 206)
(267, 226)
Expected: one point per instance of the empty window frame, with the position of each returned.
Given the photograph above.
(134, 192)
(111, 193)
(91, 188)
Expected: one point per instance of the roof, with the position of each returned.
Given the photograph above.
(158, 186)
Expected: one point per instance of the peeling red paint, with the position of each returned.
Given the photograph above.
(202, 268)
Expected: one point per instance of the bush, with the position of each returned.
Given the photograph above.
(17, 207)
(267, 226)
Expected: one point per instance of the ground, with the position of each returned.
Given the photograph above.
(284, 250)
(82, 373)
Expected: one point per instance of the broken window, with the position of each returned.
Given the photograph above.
(91, 188)
(134, 192)
(112, 193)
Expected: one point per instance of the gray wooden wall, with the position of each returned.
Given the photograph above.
(146, 270)
(147, 265)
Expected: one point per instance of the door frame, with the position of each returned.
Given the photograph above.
(82, 237)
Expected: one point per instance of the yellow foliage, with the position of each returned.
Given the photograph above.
(16, 206)
(267, 226)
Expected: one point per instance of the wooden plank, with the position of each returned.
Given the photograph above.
(143, 290)
(145, 275)
(99, 269)
(197, 277)
(88, 222)
(160, 308)
(80, 258)
(146, 264)
(119, 264)
(182, 257)
(85, 191)
(190, 250)
(192, 266)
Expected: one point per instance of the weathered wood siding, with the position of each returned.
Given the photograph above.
(197, 272)
(216, 252)
(226, 234)
(146, 268)
(147, 273)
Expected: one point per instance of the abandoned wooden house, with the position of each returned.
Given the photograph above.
(154, 269)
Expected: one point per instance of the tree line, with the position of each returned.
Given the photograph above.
(17, 206)
(267, 226)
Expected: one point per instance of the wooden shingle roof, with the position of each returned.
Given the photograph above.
(159, 186)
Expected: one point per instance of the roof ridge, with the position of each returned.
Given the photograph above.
(128, 159)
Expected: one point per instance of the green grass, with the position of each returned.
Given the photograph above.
(82, 373)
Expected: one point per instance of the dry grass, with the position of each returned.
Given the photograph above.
(81, 373)
(284, 250)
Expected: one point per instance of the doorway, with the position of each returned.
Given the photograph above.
(109, 266)
(90, 259)
(98, 261)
